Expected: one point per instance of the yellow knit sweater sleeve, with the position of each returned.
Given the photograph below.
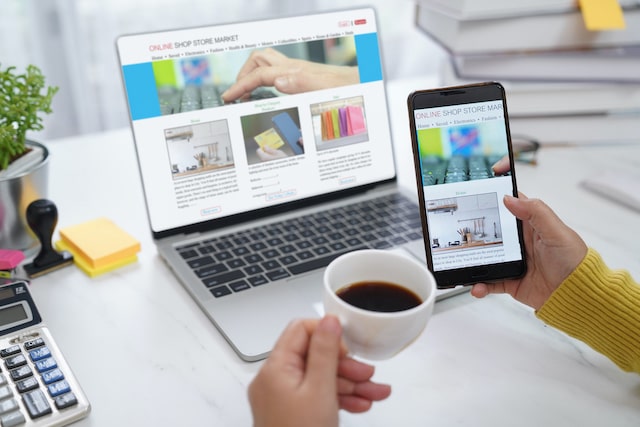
(600, 307)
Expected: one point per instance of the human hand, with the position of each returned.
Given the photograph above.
(268, 153)
(308, 378)
(269, 67)
(553, 251)
(502, 166)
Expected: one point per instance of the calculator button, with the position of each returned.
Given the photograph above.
(39, 353)
(20, 373)
(27, 384)
(9, 351)
(12, 419)
(52, 376)
(65, 400)
(5, 392)
(36, 403)
(38, 342)
(58, 388)
(15, 361)
(46, 364)
(7, 405)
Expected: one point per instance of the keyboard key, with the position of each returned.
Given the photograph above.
(253, 259)
(29, 345)
(58, 388)
(313, 263)
(238, 286)
(200, 262)
(36, 403)
(222, 278)
(9, 351)
(236, 263)
(211, 269)
(258, 246)
(15, 361)
(52, 376)
(257, 280)
(271, 265)
(253, 270)
(40, 353)
(65, 400)
(12, 419)
(220, 291)
(289, 259)
(270, 253)
(223, 256)
(278, 274)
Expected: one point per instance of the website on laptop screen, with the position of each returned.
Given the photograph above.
(215, 137)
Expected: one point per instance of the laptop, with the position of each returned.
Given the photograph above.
(252, 188)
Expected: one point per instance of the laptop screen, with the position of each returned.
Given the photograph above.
(232, 118)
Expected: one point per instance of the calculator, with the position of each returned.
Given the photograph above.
(37, 387)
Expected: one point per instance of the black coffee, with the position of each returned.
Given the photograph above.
(379, 296)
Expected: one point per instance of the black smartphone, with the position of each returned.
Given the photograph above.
(457, 134)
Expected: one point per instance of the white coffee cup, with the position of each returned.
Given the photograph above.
(376, 335)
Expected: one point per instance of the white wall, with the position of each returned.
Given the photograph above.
(73, 42)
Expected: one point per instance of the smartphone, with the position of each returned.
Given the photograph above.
(457, 134)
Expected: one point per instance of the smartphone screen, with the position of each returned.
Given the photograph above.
(457, 134)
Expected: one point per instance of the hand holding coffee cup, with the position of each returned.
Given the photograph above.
(382, 298)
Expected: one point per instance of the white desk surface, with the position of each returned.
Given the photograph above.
(146, 355)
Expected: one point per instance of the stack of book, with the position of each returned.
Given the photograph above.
(565, 83)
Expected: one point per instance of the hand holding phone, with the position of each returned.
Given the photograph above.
(457, 134)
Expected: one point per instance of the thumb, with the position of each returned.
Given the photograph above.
(324, 352)
(536, 213)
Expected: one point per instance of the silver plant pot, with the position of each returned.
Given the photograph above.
(16, 193)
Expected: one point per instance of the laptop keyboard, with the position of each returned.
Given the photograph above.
(243, 260)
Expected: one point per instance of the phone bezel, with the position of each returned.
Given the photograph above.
(457, 95)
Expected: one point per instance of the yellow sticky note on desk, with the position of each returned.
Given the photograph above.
(100, 242)
(601, 15)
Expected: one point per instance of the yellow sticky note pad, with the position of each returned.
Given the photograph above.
(86, 267)
(269, 138)
(100, 242)
(601, 15)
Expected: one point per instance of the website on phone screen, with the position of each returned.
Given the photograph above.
(468, 223)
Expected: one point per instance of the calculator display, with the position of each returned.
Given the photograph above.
(11, 314)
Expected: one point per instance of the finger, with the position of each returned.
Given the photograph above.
(324, 353)
(258, 77)
(502, 166)
(367, 389)
(260, 58)
(355, 370)
(293, 340)
(354, 404)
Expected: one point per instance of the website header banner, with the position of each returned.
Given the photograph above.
(245, 35)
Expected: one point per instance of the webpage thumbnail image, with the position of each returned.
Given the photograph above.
(339, 123)
(272, 135)
(199, 148)
(461, 153)
(198, 82)
(465, 222)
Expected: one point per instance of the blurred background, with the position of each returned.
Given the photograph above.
(73, 42)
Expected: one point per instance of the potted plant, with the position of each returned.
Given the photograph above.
(23, 162)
